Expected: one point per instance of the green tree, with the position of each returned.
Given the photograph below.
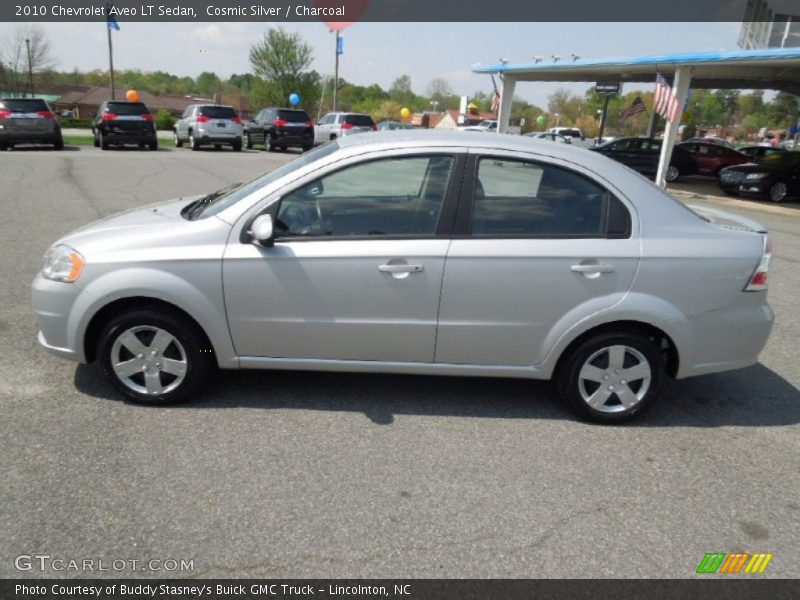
(282, 60)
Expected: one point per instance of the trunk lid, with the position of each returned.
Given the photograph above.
(726, 219)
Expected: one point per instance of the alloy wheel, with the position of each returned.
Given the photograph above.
(614, 379)
(149, 360)
(778, 191)
(672, 173)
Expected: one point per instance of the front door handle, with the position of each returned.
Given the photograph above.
(400, 268)
(596, 268)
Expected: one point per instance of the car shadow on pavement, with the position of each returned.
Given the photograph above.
(42, 148)
(755, 396)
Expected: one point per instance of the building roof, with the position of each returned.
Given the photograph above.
(769, 68)
(98, 95)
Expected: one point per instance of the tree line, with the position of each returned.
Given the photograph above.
(281, 65)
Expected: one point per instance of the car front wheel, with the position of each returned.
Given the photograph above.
(248, 142)
(177, 140)
(154, 356)
(611, 377)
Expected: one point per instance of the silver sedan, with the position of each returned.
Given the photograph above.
(417, 252)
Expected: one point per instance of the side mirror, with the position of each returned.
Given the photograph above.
(262, 230)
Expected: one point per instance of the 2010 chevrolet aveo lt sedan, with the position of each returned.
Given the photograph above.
(417, 252)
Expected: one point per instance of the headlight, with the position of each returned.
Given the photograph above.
(752, 176)
(62, 263)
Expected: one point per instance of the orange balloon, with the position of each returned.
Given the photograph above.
(353, 10)
(132, 95)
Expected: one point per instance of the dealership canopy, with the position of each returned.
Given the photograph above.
(774, 68)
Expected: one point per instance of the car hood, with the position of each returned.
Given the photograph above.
(152, 226)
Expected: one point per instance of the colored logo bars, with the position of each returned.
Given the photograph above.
(721, 562)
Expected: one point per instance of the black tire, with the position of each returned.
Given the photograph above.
(778, 192)
(199, 359)
(153, 145)
(672, 174)
(730, 192)
(193, 143)
(283, 148)
(217, 146)
(572, 387)
(237, 146)
(103, 143)
(96, 140)
(178, 142)
(308, 147)
(58, 144)
(247, 140)
(142, 145)
(268, 143)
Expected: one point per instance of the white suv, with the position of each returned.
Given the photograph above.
(338, 124)
(209, 124)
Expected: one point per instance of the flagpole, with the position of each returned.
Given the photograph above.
(110, 54)
(336, 74)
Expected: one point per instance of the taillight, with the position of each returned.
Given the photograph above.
(309, 123)
(374, 127)
(147, 117)
(279, 123)
(237, 120)
(46, 114)
(758, 282)
(347, 125)
(203, 118)
(4, 114)
(109, 116)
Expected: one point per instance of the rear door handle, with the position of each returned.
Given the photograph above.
(400, 268)
(592, 268)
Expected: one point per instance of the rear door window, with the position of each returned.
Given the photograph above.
(516, 198)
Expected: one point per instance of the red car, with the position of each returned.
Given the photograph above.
(711, 157)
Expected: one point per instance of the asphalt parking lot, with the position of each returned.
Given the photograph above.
(336, 475)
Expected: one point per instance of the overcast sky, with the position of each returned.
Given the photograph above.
(380, 52)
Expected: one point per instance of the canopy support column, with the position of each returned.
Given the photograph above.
(680, 87)
(506, 98)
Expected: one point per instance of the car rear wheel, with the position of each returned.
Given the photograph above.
(237, 146)
(672, 173)
(611, 377)
(307, 147)
(778, 192)
(103, 141)
(152, 145)
(58, 144)
(154, 356)
(270, 145)
(177, 140)
(193, 144)
(248, 142)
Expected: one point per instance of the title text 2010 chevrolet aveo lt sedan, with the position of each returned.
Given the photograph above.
(414, 252)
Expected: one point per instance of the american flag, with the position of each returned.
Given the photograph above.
(495, 101)
(665, 103)
(634, 109)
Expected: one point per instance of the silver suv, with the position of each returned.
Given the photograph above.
(28, 121)
(209, 124)
(434, 253)
(339, 124)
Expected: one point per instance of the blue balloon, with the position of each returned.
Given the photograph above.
(294, 99)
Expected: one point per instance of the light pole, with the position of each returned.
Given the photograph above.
(557, 115)
(30, 65)
(435, 105)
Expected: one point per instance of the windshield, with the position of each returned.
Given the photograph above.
(359, 120)
(24, 106)
(218, 112)
(126, 108)
(294, 116)
(219, 201)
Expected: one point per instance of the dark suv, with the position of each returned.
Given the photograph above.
(280, 128)
(28, 121)
(118, 123)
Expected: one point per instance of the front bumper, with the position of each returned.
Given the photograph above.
(52, 303)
